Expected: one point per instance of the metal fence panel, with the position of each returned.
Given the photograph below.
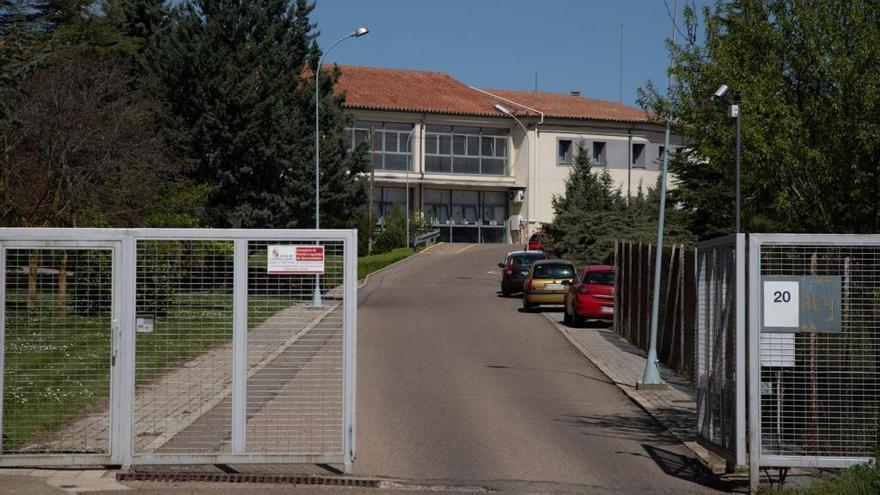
(720, 345)
(815, 396)
(175, 346)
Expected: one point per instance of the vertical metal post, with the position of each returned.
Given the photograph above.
(754, 360)
(741, 365)
(124, 304)
(737, 99)
(2, 333)
(349, 326)
(239, 345)
(651, 375)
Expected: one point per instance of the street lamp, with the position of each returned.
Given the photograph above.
(316, 296)
(501, 108)
(733, 113)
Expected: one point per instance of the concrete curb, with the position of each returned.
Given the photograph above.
(715, 463)
(364, 281)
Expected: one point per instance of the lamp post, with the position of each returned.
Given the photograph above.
(501, 108)
(651, 376)
(316, 296)
(733, 112)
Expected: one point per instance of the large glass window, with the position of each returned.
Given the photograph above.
(465, 150)
(386, 199)
(467, 216)
(391, 143)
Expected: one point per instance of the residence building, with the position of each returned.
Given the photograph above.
(483, 165)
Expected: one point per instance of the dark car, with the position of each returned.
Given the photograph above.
(536, 242)
(591, 296)
(515, 269)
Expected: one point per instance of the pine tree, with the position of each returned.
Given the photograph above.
(239, 110)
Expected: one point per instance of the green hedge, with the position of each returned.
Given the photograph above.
(369, 264)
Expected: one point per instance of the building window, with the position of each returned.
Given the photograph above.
(564, 151)
(390, 143)
(386, 200)
(467, 216)
(466, 150)
(638, 156)
(598, 156)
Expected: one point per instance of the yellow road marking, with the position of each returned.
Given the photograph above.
(464, 249)
(430, 248)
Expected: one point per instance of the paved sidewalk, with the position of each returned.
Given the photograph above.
(674, 407)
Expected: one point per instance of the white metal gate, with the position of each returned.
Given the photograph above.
(159, 346)
(814, 360)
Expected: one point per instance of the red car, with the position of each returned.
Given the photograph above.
(536, 242)
(591, 296)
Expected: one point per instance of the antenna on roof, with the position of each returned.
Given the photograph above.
(536, 81)
(620, 77)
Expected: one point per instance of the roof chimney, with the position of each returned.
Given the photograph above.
(575, 93)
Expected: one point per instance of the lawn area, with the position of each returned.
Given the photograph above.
(369, 264)
(58, 364)
(857, 480)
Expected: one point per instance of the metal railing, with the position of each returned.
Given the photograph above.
(428, 238)
(155, 346)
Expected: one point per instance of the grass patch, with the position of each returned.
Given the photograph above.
(57, 365)
(369, 264)
(857, 480)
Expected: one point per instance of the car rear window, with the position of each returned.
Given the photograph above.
(526, 260)
(600, 278)
(553, 270)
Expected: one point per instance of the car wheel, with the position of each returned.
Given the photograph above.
(566, 318)
(527, 306)
(577, 320)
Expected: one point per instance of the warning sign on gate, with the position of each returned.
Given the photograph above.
(295, 260)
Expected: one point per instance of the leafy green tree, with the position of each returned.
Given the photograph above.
(807, 73)
(238, 108)
(591, 216)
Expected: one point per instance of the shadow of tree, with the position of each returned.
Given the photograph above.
(689, 469)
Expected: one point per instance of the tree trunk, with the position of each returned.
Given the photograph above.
(32, 280)
(62, 284)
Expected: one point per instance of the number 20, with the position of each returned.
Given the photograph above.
(782, 296)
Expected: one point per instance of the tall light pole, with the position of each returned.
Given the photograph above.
(651, 377)
(733, 112)
(501, 108)
(316, 296)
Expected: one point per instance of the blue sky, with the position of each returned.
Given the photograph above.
(571, 44)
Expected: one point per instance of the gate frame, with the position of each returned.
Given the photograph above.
(124, 272)
(756, 458)
(739, 244)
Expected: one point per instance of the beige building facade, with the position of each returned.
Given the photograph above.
(484, 165)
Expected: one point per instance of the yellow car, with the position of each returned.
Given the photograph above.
(547, 283)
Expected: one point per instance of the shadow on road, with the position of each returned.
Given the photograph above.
(688, 469)
(544, 370)
(639, 427)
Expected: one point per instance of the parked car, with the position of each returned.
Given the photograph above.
(536, 242)
(547, 283)
(515, 269)
(591, 296)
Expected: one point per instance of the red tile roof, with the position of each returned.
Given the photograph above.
(574, 107)
(372, 88)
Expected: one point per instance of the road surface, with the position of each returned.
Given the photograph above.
(457, 386)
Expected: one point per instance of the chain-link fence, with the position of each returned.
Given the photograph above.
(177, 346)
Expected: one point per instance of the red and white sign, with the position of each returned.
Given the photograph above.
(295, 260)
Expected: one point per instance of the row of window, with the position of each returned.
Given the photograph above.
(463, 150)
(566, 149)
(444, 207)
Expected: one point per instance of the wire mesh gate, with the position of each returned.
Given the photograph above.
(177, 346)
(720, 360)
(814, 349)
